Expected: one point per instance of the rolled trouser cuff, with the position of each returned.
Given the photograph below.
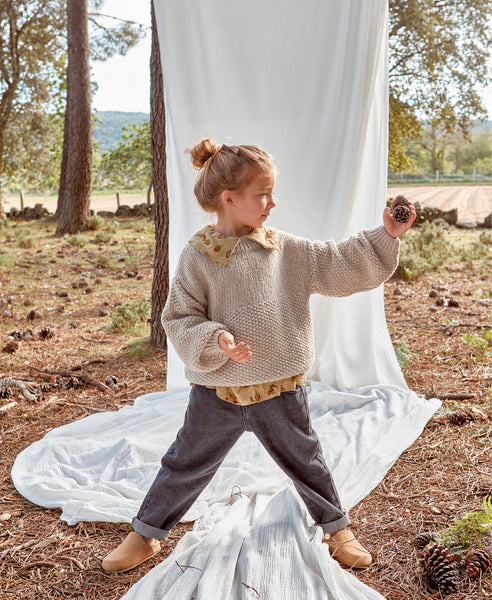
(149, 531)
(334, 526)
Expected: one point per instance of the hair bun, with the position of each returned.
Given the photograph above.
(203, 151)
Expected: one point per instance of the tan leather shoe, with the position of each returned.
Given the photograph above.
(132, 552)
(347, 550)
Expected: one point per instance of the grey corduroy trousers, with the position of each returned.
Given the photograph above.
(211, 428)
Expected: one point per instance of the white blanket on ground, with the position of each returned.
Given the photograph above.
(253, 527)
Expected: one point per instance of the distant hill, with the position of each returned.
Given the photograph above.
(109, 126)
(480, 125)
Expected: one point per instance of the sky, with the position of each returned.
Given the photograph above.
(124, 81)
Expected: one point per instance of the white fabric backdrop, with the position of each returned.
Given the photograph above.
(307, 80)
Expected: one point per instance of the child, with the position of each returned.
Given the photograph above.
(238, 316)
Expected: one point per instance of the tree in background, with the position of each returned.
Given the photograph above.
(76, 168)
(160, 283)
(438, 57)
(129, 165)
(31, 42)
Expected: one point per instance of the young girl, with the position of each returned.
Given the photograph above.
(238, 316)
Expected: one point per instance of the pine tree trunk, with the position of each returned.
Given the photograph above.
(160, 284)
(2, 207)
(75, 182)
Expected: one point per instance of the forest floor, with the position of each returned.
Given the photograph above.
(64, 297)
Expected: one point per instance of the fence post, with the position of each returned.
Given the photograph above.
(437, 175)
(21, 200)
(117, 199)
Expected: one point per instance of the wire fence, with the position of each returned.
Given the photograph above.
(439, 177)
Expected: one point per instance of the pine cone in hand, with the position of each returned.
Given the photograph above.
(400, 209)
(440, 568)
(477, 562)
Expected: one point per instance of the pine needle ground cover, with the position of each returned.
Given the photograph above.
(73, 335)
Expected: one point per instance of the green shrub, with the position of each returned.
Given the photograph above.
(112, 226)
(469, 529)
(130, 315)
(24, 240)
(485, 238)
(422, 251)
(103, 237)
(479, 344)
(102, 261)
(77, 240)
(95, 222)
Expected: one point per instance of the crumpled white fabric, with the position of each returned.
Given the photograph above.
(307, 80)
(252, 526)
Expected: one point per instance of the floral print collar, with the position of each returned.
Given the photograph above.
(219, 248)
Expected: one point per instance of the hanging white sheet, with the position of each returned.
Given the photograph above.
(307, 80)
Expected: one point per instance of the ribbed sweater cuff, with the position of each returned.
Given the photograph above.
(214, 352)
(382, 240)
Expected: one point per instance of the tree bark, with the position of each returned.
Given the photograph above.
(2, 208)
(76, 173)
(160, 284)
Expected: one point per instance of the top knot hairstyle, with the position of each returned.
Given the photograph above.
(223, 167)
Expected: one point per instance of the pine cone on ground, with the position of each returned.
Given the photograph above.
(15, 334)
(440, 568)
(477, 562)
(11, 347)
(400, 209)
(460, 417)
(422, 539)
(6, 388)
(46, 333)
(113, 383)
(71, 383)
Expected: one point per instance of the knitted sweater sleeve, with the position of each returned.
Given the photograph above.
(184, 318)
(357, 264)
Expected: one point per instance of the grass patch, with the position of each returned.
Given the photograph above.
(6, 260)
(403, 353)
(139, 348)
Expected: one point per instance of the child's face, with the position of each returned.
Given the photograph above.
(252, 206)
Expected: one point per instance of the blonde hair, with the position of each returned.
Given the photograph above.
(222, 167)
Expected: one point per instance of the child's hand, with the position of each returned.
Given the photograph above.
(239, 353)
(394, 228)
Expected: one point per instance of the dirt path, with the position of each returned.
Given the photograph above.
(474, 202)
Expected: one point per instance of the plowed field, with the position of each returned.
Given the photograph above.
(474, 202)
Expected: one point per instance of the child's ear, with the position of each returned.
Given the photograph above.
(227, 198)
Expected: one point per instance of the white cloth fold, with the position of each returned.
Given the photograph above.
(99, 468)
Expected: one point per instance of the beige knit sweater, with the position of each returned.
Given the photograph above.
(261, 296)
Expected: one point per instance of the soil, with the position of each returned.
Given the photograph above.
(444, 474)
(474, 202)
